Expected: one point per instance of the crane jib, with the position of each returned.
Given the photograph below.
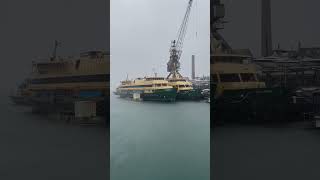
(173, 65)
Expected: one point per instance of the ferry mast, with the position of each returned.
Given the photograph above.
(173, 66)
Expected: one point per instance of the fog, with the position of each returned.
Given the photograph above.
(29, 28)
(141, 33)
(292, 21)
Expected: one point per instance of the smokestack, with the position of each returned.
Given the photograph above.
(193, 70)
(266, 32)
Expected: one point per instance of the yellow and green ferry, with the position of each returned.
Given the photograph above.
(238, 92)
(60, 82)
(185, 90)
(147, 89)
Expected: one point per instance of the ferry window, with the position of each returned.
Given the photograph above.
(229, 78)
(43, 72)
(212, 60)
(214, 78)
(77, 64)
(248, 77)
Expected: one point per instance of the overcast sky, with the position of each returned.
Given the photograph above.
(141, 33)
(292, 20)
(29, 28)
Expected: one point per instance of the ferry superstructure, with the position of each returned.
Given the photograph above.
(59, 83)
(185, 90)
(147, 89)
(238, 93)
(238, 89)
(88, 72)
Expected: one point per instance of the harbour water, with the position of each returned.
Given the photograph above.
(37, 147)
(159, 141)
(277, 152)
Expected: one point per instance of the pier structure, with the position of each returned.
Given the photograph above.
(71, 109)
(291, 69)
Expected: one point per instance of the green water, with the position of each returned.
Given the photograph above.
(159, 141)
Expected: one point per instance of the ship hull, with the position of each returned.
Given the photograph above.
(20, 100)
(189, 95)
(254, 106)
(163, 95)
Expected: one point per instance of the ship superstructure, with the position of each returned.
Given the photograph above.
(238, 93)
(90, 71)
(65, 81)
(147, 89)
(66, 85)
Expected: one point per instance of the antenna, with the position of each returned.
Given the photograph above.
(299, 45)
(154, 72)
(54, 53)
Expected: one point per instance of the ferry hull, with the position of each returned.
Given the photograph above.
(189, 95)
(20, 100)
(164, 95)
(253, 106)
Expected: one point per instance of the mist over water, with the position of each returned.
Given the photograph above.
(159, 141)
(257, 152)
(39, 147)
(141, 35)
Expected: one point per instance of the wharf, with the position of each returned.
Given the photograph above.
(83, 111)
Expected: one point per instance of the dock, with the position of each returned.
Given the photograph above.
(73, 110)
